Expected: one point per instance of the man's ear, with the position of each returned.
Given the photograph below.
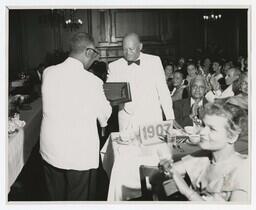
(141, 46)
(88, 53)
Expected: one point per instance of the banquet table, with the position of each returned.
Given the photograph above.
(121, 163)
(21, 144)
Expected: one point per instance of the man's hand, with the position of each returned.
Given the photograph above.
(165, 166)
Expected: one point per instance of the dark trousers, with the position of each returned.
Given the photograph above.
(70, 185)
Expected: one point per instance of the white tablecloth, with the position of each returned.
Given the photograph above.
(122, 162)
(21, 144)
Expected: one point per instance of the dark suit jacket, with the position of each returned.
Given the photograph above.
(34, 78)
(182, 110)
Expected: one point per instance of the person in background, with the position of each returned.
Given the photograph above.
(240, 89)
(149, 91)
(73, 100)
(243, 84)
(39, 71)
(233, 74)
(217, 76)
(225, 174)
(191, 71)
(245, 67)
(241, 100)
(169, 70)
(227, 65)
(181, 63)
(180, 90)
(100, 69)
(36, 79)
(217, 68)
(187, 110)
(206, 67)
(199, 66)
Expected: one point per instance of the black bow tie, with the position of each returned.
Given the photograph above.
(131, 62)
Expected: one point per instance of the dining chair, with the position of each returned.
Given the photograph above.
(152, 185)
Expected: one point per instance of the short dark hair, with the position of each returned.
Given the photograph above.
(191, 63)
(80, 41)
(180, 72)
(217, 60)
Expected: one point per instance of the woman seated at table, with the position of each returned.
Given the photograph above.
(179, 91)
(240, 88)
(224, 176)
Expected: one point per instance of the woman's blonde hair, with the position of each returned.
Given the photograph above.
(235, 115)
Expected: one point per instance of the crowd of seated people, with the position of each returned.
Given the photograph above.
(218, 96)
(222, 76)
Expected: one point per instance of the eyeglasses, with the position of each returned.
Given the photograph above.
(198, 87)
(94, 51)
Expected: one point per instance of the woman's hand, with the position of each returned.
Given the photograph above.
(165, 166)
(180, 182)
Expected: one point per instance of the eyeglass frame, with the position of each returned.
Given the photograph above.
(94, 50)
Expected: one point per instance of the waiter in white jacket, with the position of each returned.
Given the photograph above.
(73, 101)
(149, 91)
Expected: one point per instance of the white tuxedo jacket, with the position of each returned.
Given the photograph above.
(149, 91)
(73, 100)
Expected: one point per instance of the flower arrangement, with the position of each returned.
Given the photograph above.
(14, 124)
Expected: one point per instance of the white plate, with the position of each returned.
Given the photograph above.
(119, 141)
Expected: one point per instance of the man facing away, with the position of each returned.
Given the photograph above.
(149, 90)
(73, 100)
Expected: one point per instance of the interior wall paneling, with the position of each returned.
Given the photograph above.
(15, 51)
(168, 33)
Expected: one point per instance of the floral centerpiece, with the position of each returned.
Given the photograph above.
(14, 122)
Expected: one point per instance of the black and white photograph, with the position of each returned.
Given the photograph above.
(128, 105)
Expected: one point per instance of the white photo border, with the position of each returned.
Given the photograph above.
(250, 4)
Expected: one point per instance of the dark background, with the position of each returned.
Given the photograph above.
(40, 36)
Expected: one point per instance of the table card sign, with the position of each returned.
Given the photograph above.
(155, 133)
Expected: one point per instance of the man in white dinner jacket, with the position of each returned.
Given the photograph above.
(73, 100)
(149, 90)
